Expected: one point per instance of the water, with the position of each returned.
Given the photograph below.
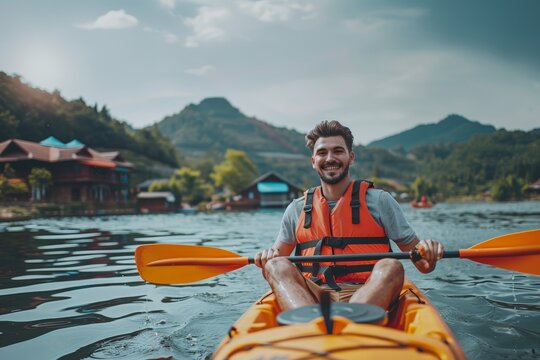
(69, 288)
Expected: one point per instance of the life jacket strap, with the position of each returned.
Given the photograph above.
(355, 202)
(340, 270)
(331, 272)
(340, 242)
(308, 207)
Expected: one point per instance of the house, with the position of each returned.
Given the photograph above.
(158, 201)
(79, 173)
(269, 190)
(533, 189)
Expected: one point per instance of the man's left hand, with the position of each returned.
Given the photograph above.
(430, 251)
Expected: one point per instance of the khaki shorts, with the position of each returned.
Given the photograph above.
(347, 290)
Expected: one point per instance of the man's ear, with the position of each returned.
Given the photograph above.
(313, 162)
(352, 156)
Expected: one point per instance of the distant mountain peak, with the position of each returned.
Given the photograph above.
(452, 129)
(218, 106)
(215, 124)
(454, 119)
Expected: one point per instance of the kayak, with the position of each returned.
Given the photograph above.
(412, 329)
(421, 205)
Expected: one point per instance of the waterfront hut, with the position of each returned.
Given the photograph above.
(79, 173)
(158, 201)
(269, 190)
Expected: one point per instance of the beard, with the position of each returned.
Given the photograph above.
(334, 180)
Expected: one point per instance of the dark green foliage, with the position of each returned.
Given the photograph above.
(33, 114)
(483, 162)
(508, 188)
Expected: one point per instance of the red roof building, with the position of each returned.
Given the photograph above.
(79, 174)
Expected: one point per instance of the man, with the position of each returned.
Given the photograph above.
(339, 217)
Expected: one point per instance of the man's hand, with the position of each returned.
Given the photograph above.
(261, 258)
(430, 251)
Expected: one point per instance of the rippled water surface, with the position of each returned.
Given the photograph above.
(70, 289)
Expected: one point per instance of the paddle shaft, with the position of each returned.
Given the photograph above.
(356, 257)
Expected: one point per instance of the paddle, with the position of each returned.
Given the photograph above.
(181, 264)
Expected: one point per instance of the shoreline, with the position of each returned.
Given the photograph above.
(22, 211)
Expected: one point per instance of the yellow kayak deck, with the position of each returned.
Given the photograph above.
(414, 330)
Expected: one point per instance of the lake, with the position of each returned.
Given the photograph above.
(69, 288)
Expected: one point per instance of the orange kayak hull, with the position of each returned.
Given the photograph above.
(414, 330)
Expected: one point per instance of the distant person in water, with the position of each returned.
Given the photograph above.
(341, 216)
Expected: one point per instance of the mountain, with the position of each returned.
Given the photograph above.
(215, 125)
(33, 114)
(451, 130)
(208, 129)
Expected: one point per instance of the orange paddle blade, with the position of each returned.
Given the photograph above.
(518, 251)
(201, 266)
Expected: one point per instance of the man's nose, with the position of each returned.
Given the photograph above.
(330, 156)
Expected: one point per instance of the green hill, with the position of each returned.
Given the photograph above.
(33, 114)
(453, 129)
(214, 125)
(482, 162)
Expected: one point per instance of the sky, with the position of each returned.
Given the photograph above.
(379, 67)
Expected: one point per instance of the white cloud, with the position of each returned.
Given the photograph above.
(206, 25)
(201, 71)
(114, 19)
(169, 4)
(274, 11)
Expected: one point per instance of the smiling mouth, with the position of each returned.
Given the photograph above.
(332, 167)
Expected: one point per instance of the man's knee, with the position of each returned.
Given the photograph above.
(390, 267)
(279, 267)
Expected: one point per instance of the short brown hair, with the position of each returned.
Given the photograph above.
(329, 128)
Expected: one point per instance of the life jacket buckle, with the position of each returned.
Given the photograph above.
(336, 242)
(308, 208)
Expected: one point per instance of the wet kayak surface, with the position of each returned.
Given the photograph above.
(69, 288)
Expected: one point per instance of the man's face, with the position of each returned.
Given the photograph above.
(331, 159)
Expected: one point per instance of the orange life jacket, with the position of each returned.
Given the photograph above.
(348, 229)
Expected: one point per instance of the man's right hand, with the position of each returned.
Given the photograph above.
(262, 257)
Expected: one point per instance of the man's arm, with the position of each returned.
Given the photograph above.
(398, 229)
(286, 238)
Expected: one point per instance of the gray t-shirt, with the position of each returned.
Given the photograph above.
(381, 205)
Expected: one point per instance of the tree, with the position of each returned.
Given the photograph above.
(10, 189)
(8, 172)
(39, 179)
(508, 188)
(8, 124)
(190, 184)
(235, 172)
(186, 184)
(422, 187)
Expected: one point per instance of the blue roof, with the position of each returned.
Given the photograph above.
(74, 144)
(272, 187)
(52, 141)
